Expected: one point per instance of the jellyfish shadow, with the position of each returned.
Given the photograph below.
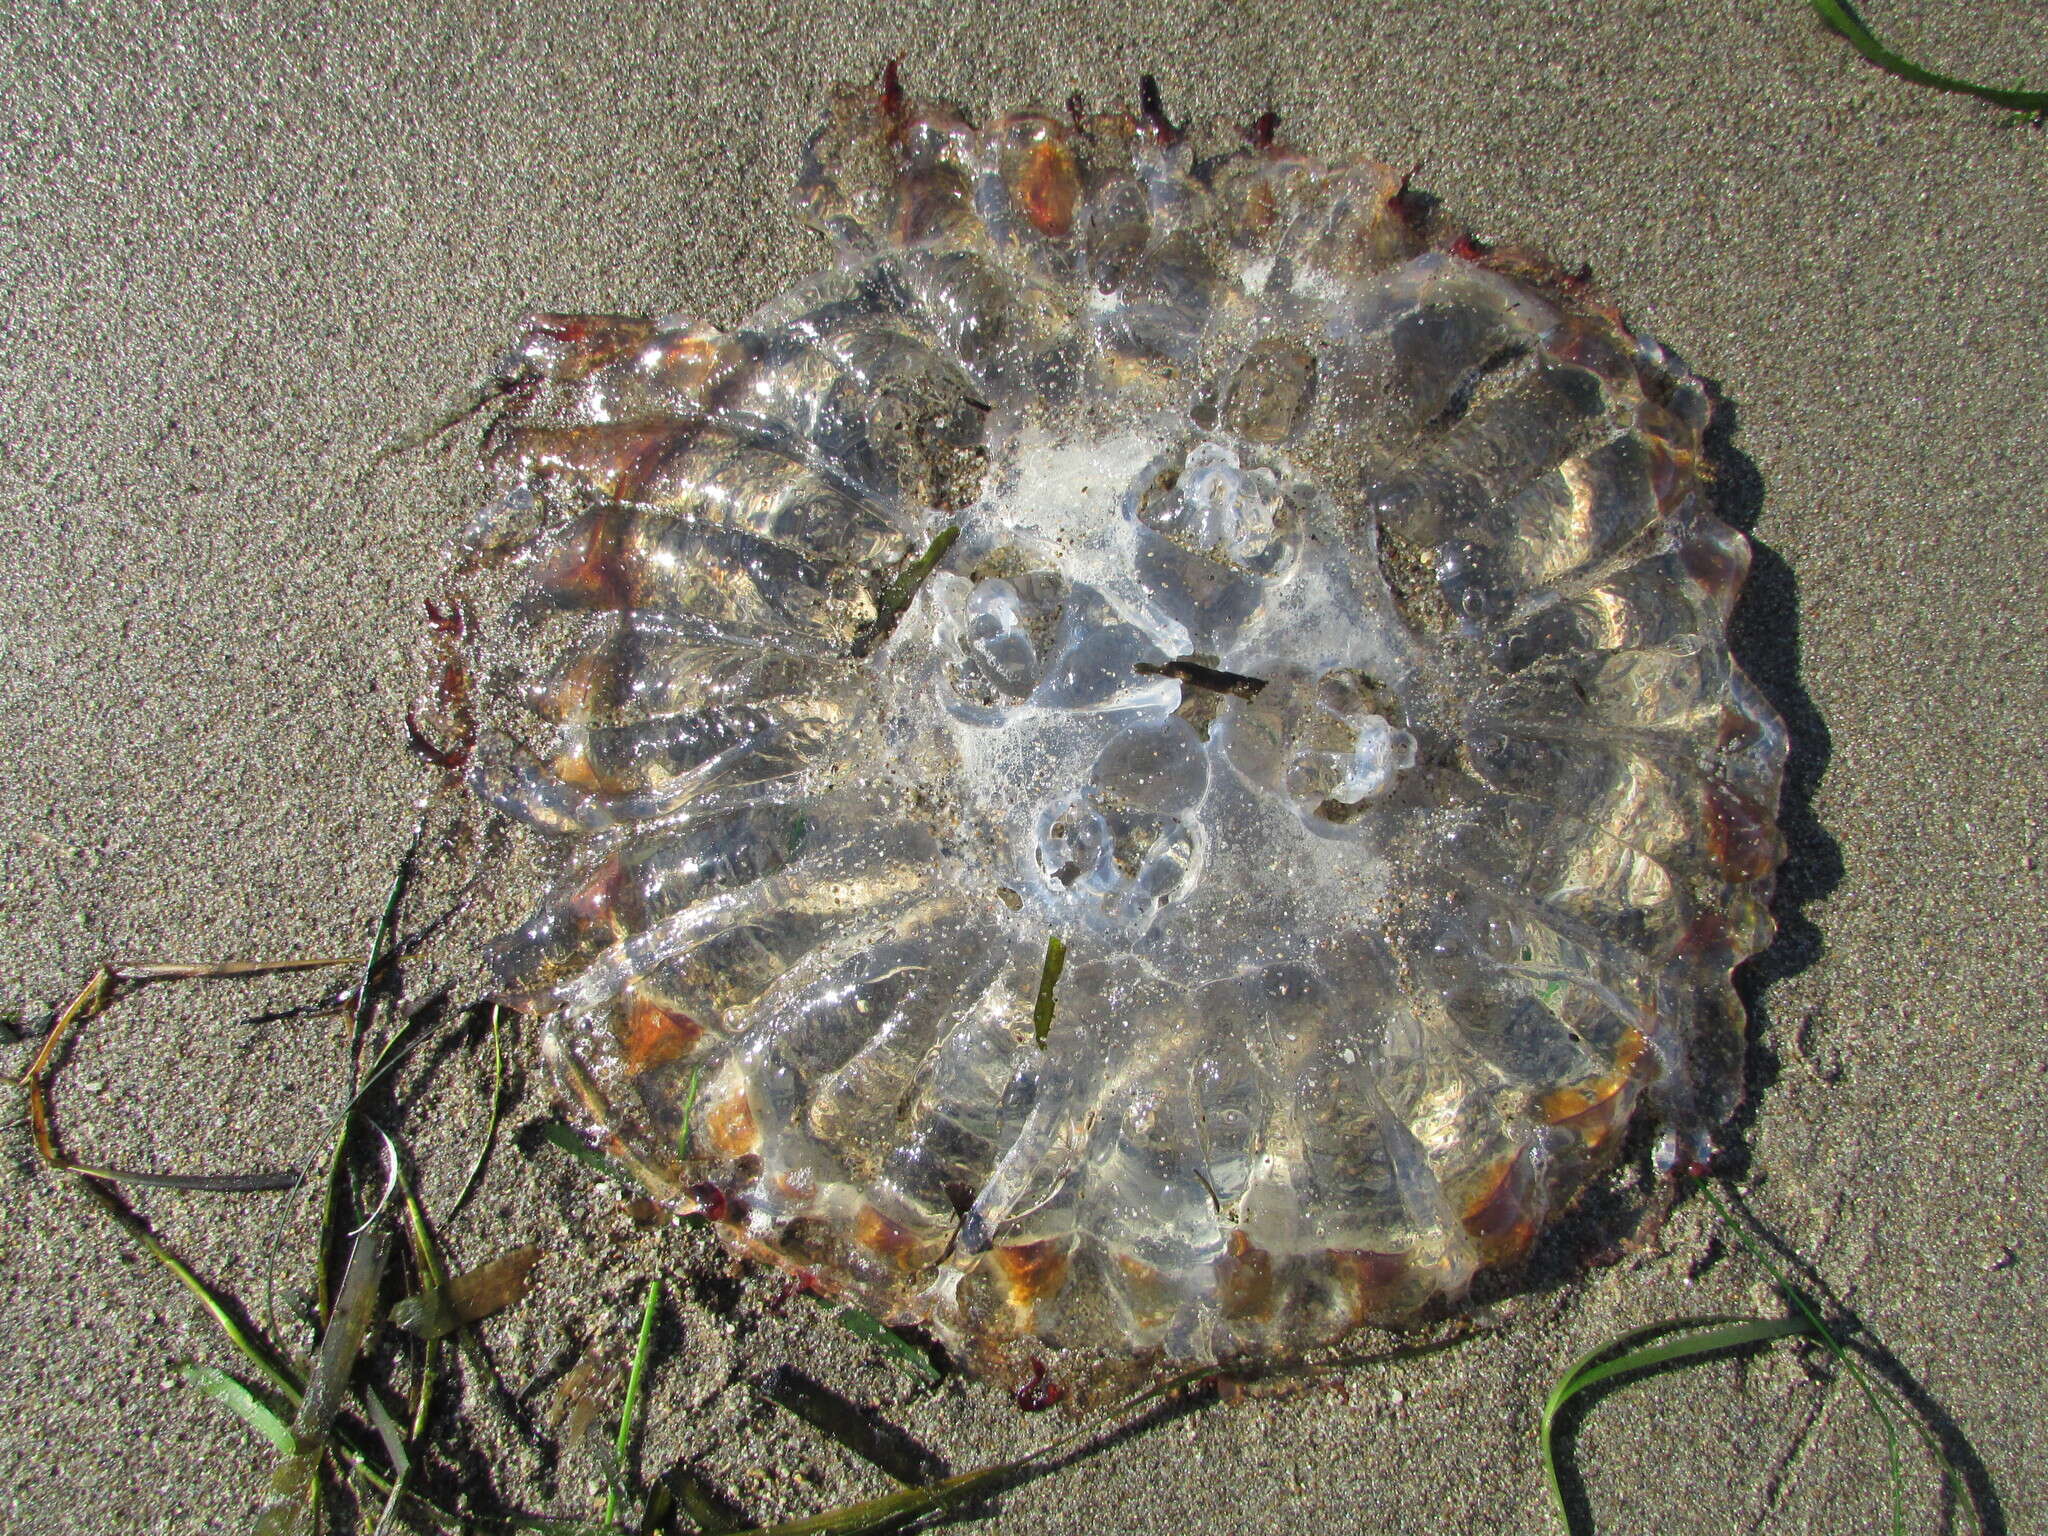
(1764, 638)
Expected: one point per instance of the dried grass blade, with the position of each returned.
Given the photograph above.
(110, 983)
(93, 999)
(191, 1183)
(106, 987)
(44, 1134)
(221, 970)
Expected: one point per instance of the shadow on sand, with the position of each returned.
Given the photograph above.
(1764, 637)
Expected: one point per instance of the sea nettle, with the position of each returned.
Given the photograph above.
(1169, 551)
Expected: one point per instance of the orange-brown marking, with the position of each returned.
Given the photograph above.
(1587, 341)
(1499, 1219)
(582, 344)
(1674, 473)
(928, 202)
(653, 1036)
(1152, 1301)
(1244, 1278)
(575, 769)
(1739, 730)
(587, 570)
(1261, 209)
(729, 1127)
(1718, 559)
(1048, 187)
(1740, 838)
(1708, 932)
(593, 902)
(797, 1184)
(687, 363)
(1588, 1111)
(1592, 1110)
(1032, 1271)
(1375, 1279)
(579, 692)
(879, 1235)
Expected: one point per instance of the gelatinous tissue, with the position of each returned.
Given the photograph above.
(1331, 654)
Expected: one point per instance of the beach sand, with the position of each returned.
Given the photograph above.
(239, 248)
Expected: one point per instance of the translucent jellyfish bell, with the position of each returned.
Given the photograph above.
(1163, 544)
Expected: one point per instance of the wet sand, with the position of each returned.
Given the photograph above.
(238, 252)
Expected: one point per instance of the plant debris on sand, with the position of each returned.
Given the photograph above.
(367, 1427)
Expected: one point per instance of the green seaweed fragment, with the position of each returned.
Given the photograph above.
(556, 1134)
(1658, 1345)
(243, 1403)
(1646, 1349)
(895, 598)
(622, 1446)
(1841, 18)
(689, 1110)
(1048, 978)
(901, 1353)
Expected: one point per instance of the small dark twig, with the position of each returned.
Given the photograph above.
(1185, 669)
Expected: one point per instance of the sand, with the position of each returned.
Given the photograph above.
(239, 247)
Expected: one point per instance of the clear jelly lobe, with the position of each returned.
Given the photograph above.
(1331, 654)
